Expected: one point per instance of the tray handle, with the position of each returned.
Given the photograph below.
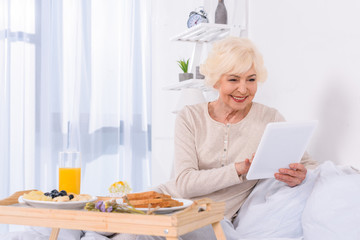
(14, 197)
(200, 205)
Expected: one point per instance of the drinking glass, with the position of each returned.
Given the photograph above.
(70, 172)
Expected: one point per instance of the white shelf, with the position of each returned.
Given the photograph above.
(205, 33)
(191, 83)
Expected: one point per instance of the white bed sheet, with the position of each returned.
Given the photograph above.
(333, 208)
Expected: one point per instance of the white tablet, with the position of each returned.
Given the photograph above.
(281, 144)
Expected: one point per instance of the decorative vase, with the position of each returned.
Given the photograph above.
(221, 13)
(198, 74)
(185, 76)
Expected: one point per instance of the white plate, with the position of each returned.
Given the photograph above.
(186, 203)
(56, 205)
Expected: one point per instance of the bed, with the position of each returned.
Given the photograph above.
(325, 206)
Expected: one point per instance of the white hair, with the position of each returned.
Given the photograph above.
(232, 55)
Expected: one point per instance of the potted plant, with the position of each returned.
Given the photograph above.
(184, 65)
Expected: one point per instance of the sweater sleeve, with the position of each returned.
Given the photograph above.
(308, 162)
(190, 180)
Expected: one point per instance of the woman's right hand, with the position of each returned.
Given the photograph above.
(243, 167)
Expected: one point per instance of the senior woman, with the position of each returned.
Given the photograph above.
(215, 141)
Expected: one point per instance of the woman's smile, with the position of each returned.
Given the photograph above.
(239, 99)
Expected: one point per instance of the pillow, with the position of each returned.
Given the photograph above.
(333, 209)
(273, 209)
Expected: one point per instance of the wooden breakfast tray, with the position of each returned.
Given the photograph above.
(201, 213)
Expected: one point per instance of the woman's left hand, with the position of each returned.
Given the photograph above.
(293, 176)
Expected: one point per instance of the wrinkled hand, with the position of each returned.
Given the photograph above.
(243, 167)
(292, 176)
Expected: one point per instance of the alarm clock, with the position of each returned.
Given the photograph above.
(196, 17)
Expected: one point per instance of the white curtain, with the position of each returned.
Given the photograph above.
(74, 74)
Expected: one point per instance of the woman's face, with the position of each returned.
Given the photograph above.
(237, 91)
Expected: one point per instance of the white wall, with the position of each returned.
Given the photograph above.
(312, 55)
(312, 52)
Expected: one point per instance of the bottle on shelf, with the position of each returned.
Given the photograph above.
(221, 13)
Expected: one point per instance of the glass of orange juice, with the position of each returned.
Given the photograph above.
(70, 172)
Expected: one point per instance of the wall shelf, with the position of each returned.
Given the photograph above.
(191, 83)
(206, 32)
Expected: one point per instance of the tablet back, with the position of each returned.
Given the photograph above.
(281, 144)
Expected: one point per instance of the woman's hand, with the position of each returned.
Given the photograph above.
(293, 176)
(243, 167)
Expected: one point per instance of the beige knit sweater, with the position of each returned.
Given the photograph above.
(205, 152)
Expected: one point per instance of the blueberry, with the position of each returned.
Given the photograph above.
(54, 191)
(71, 196)
(47, 194)
(63, 193)
(54, 195)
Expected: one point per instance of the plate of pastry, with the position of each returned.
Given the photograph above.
(185, 203)
(157, 202)
(59, 200)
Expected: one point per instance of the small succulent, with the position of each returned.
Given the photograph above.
(183, 64)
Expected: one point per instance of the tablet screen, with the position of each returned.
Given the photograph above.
(281, 144)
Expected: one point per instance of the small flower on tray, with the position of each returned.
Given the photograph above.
(111, 206)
